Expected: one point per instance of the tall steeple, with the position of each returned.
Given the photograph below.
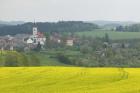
(34, 23)
(35, 30)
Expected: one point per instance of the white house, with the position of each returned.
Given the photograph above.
(29, 41)
(69, 42)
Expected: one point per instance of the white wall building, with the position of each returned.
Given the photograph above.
(29, 41)
(69, 42)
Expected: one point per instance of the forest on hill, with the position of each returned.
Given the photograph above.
(62, 26)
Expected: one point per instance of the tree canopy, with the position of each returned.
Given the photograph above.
(62, 26)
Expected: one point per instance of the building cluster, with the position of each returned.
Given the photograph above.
(57, 38)
(36, 37)
(29, 41)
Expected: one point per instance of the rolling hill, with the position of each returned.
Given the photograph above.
(11, 22)
(104, 22)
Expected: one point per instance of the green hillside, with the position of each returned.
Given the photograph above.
(47, 61)
(19, 59)
(69, 80)
(112, 34)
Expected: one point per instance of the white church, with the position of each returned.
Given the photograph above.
(36, 37)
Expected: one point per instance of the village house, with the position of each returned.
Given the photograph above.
(70, 41)
(7, 43)
(55, 37)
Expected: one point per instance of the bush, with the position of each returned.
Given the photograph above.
(11, 61)
(34, 61)
(64, 59)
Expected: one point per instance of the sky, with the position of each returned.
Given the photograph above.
(70, 10)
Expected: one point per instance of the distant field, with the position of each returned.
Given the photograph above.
(112, 34)
(69, 80)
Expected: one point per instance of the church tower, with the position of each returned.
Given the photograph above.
(35, 30)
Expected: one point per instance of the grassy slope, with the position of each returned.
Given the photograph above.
(46, 61)
(69, 80)
(112, 34)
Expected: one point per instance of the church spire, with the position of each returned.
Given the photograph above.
(35, 31)
(34, 23)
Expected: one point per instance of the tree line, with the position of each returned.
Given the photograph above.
(62, 26)
(130, 28)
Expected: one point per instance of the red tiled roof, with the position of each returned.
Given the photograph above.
(40, 34)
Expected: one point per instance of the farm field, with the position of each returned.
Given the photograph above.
(112, 34)
(69, 80)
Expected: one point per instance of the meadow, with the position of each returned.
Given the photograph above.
(69, 80)
(112, 34)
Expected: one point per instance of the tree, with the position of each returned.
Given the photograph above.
(120, 28)
(63, 58)
(34, 60)
(38, 47)
(85, 49)
(107, 39)
(47, 35)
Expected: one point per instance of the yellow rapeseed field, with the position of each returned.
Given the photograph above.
(69, 80)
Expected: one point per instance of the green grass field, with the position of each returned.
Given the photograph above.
(112, 34)
(69, 80)
(45, 60)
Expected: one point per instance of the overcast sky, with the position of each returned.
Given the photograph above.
(84, 10)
